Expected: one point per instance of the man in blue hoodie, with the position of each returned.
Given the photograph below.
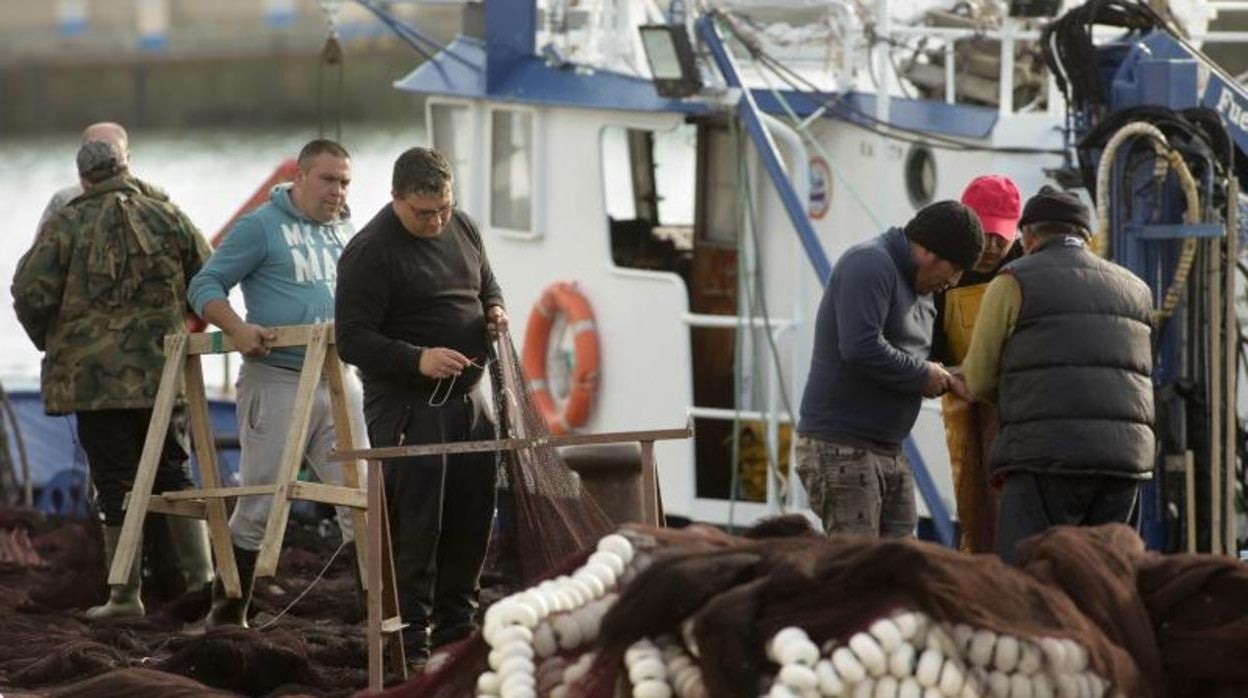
(869, 370)
(284, 254)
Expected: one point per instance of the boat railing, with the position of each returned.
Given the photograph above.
(1011, 32)
(774, 415)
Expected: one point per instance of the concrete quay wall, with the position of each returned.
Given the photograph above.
(219, 63)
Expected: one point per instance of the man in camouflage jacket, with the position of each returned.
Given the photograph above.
(103, 284)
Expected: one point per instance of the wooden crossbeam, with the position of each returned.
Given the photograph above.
(336, 495)
(287, 336)
(157, 504)
(219, 492)
(513, 444)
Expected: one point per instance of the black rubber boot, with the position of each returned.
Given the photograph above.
(227, 611)
(190, 542)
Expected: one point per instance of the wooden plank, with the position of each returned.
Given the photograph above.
(344, 438)
(220, 492)
(220, 342)
(153, 446)
(330, 494)
(1230, 352)
(513, 444)
(388, 584)
(192, 510)
(206, 454)
(649, 485)
(292, 451)
(376, 505)
(392, 625)
(1189, 510)
(1214, 264)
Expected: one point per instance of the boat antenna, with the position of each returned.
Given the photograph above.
(332, 56)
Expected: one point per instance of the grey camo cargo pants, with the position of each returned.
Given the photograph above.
(854, 490)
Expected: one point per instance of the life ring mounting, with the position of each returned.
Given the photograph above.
(562, 300)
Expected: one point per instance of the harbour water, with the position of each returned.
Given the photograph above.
(208, 173)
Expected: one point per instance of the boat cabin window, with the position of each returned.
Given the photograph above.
(452, 132)
(511, 169)
(648, 179)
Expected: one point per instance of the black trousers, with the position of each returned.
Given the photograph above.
(1032, 503)
(113, 441)
(441, 510)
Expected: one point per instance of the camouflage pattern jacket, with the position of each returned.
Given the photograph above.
(103, 284)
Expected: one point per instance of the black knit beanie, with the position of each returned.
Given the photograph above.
(950, 230)
(1050, 205)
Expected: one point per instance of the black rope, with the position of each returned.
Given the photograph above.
(1070, 53)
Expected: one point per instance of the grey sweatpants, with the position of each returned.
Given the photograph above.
(266, 400)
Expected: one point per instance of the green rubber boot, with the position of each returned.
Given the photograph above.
(190, 542)
(123, 599)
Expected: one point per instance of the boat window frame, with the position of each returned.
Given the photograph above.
(536, 191)
(469, 190)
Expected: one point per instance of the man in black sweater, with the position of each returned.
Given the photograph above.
(415, 300)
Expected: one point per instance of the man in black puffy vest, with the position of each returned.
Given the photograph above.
(1063, 345)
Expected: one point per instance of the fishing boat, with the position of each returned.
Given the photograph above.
(663, 230)
(687, 178)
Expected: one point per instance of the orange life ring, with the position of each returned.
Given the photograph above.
(564, 299)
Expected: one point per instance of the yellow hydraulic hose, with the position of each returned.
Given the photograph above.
(1167, 156)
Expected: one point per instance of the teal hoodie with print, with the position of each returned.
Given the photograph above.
(286, 263)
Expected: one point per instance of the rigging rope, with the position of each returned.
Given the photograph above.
(803, 128)
(832, 102)
(331, 55)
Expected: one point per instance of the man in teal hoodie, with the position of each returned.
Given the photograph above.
(284, 254)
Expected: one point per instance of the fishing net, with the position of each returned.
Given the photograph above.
(547, 513)
(316, 648)
(138, 683)
(785, 611)
(229, 658)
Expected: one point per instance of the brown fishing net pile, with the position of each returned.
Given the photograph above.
(1152, 625)
(317, 646)
(47, 648)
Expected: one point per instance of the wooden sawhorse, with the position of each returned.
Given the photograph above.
(183, 366)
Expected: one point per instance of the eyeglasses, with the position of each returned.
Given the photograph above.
(433, 397)
(424, 215)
